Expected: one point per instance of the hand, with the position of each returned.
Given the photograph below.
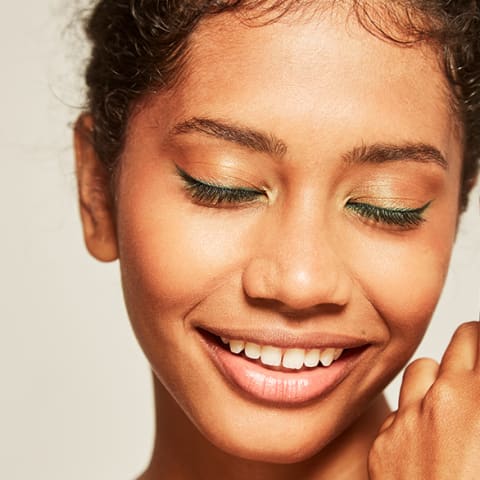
(435, 433)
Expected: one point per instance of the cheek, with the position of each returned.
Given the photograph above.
(159, 258)
(173, 256)
(404, 279)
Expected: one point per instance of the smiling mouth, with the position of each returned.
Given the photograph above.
(280, 375)
(288, 358)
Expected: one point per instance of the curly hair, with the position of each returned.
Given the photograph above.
(139, 46)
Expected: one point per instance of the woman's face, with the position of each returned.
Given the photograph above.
(296, 191)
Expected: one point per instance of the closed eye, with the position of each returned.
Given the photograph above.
(210, 194)
(402, 217)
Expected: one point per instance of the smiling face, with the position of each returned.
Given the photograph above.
(295, 194)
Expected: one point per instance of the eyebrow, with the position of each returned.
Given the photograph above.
(386, 152)
(254, 140)
(258, 141)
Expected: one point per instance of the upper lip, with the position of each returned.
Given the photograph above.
(283, 338)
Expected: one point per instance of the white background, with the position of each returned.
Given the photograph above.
(75, 394)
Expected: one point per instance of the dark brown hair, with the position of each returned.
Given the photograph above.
(138, 46)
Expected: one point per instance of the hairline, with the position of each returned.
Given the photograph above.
(273, 11)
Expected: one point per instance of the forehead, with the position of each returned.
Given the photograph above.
(323, 75)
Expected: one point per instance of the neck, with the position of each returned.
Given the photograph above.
(182, 453)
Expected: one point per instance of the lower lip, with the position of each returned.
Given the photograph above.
(279, 387)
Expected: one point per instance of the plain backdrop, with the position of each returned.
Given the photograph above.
(75, 394)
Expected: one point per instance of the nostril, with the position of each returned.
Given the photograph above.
(298, 298)
(257, 280)
(297, 280)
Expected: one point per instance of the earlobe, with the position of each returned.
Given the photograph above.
(96, 209)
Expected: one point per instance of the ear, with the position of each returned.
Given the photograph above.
(96, 209)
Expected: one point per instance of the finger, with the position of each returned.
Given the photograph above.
(461, 353)
(417, 380)
(387, 423)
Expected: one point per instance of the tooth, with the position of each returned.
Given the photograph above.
(252, 350)
(326, 357)
(312, 357)
(293, 358)
(271, 356)
(236, 346)
(338, 353)
(224, 340)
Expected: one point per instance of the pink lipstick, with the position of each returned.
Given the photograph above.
(276, 384)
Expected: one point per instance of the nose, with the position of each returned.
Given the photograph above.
(296, 263)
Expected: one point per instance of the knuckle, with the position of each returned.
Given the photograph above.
(441, 396)
(451, 406)
(465, 329)
(387, 423)
(419, 365)
(407, 422)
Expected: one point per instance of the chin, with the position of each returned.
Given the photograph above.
(284, 452)
(277, 438)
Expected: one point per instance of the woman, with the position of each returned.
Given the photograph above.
(282, 183)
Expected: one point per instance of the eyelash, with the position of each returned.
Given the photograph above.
(211, 195)
(401, 217)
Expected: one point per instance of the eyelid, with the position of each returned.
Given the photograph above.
(399, 209)
(207, 183)
(213, 195)
(406, 218)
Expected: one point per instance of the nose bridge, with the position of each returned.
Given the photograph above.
(296, 261)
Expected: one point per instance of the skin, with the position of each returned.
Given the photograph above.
(437, 421)
(296, 258)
